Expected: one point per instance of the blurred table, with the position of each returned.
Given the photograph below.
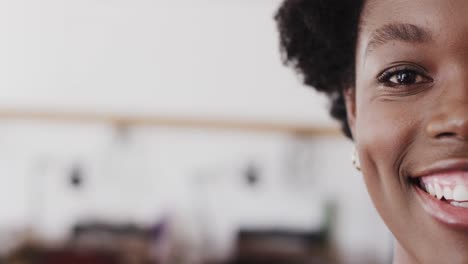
(283, 247)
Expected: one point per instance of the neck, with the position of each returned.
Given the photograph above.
(401, 256)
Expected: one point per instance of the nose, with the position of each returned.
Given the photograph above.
(450, 121)
(448, 117)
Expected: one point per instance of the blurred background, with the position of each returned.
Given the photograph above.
(168, 131)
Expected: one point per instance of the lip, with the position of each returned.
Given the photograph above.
(443, 166)
(443, 212)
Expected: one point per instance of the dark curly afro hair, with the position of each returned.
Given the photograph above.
(318, 39)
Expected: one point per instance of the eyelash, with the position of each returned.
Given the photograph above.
(385, 77)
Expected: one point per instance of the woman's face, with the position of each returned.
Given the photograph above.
(409, 117)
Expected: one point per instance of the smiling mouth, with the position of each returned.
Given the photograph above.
(444, 196)
(451, 189)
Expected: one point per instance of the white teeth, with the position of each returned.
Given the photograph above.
(448, 194)
(430, 189)
(438, 191)
(460, 193)
(458, 204)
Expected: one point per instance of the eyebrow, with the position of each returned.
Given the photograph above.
(398, 32)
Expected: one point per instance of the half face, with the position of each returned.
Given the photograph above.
(409, 118)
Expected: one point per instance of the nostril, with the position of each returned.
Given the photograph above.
(446, 135)
(452, 124)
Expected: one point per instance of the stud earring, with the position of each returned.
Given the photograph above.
(355, 160)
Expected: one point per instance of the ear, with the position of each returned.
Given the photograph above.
(350, 102)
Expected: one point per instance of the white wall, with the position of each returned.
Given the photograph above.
(206, 57)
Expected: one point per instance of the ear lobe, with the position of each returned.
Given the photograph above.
(350, 102)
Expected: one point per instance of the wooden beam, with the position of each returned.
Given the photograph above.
(170, 121)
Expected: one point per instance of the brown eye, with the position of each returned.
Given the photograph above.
(405, 78)
(402, 77)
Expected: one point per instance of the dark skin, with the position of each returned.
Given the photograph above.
(411, 117)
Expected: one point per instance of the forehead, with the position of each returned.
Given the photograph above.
(447, 20)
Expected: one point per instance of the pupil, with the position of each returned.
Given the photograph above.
(406, 77)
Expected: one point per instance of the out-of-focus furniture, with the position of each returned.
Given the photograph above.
(37, 254)
(98, 243)
(283, 246)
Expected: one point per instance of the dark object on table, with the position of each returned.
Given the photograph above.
(283, 247)
(36, 254)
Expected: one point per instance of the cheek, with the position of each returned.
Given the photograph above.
(382, 131)
(384, 135)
